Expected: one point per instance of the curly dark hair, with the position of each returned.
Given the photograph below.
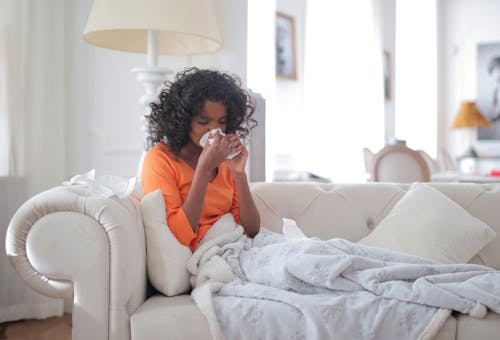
(183, 98)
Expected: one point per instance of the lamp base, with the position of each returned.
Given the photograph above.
(151, 78)
(469, 153)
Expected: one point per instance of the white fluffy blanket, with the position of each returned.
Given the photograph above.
(271, 287)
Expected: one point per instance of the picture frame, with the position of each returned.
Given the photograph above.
(471, 74)
(285, 42)
(386, 67)
(488, 88)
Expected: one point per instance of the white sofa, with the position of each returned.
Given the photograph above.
(67, 243)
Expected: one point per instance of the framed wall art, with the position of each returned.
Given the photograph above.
(480, 47)
(286, 63)
(488, 87)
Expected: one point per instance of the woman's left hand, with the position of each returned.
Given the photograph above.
(237, 164)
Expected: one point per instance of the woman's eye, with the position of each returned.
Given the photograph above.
(203, 122)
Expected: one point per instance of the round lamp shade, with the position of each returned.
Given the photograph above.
(183, 27)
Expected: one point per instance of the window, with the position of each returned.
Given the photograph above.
(344, 100)
(416, 74)
(321, 121)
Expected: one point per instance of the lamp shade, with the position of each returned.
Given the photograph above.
(183, 27)
(469, 116)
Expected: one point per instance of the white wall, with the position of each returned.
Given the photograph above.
(461, 23)
(289, 93)
(384, 18)
(261, 78)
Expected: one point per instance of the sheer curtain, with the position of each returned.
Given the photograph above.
(343, 90)
(14, 49)
(4, 168)
(30, 38)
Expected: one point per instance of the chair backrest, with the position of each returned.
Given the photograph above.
(432, 163)
(400, 164)
(368, 158)
(446, 161)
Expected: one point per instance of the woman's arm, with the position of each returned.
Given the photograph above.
(212, 154)
(249, 215)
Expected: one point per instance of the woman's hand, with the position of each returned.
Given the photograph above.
(214, 153)
(236, 164)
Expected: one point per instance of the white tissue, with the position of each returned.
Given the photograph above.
(291, 230)
(207, 137)
(108, 185)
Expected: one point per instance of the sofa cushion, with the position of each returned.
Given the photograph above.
(428, 224)
(176, 317)
(487, 328)
(448, 331)
(166, 256)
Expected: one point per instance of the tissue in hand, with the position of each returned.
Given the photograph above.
(208, 137)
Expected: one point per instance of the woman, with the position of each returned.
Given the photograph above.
(198, 183)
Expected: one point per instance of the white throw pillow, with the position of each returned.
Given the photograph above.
(166, 256)
(428, 224)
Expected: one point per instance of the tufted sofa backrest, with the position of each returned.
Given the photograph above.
(351, 211)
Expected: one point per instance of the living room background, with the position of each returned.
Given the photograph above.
(75, 107)
(99, 90)
(91, 89)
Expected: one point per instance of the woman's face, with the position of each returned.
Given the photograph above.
(212, 115)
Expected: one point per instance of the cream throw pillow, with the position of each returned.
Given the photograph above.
(166, 256)
(428, 224)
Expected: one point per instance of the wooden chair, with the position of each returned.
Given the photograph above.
(446, 161)
(398, 163)
(432, 163)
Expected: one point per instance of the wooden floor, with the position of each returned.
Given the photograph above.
(56, 328)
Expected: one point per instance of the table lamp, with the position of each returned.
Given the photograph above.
(155, 27)
(469, 118)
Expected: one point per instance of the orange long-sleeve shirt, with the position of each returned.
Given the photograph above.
(173, 176)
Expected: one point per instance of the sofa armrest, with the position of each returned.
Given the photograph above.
(66, 243)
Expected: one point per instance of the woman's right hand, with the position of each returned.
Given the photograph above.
(213, 153)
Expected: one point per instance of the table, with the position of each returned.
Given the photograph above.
(455, 176)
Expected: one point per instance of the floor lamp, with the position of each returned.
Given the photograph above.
(155, 27)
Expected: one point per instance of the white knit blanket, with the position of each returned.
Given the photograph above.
(274, 288)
